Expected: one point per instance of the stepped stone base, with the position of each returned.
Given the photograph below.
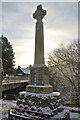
(45, 103)
(43, 89)
(39, 100)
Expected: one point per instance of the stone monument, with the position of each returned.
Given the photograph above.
(38, 100)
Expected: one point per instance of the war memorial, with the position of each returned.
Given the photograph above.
(38, 101)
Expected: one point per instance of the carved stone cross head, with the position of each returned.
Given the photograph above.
(39, 13)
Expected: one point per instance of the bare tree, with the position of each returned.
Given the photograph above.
(64, 61)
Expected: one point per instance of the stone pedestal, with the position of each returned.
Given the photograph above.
(39, 80)
(38, 105)
(39, 99)
(39, 75)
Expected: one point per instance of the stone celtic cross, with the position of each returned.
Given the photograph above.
(39, 13)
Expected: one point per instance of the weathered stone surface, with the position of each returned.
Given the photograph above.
(39, 36)
(39, 75)
(39, 89)
(39, 44)
(39, 13)
(39, 100)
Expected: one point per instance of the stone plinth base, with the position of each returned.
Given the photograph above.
(43, 89)
(38, 105)
(39, 100)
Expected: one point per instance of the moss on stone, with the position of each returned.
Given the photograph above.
(19, 102)
(21, 96)
(41, 101)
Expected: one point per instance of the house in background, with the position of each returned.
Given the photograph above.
(23, 73)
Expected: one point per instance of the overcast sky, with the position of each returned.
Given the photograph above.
(60, 26)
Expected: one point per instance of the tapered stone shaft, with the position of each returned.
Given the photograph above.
(39, 36)
(39, 44)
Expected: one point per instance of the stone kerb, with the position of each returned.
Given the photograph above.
(39, 89)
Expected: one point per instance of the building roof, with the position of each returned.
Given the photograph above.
(25, 70)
